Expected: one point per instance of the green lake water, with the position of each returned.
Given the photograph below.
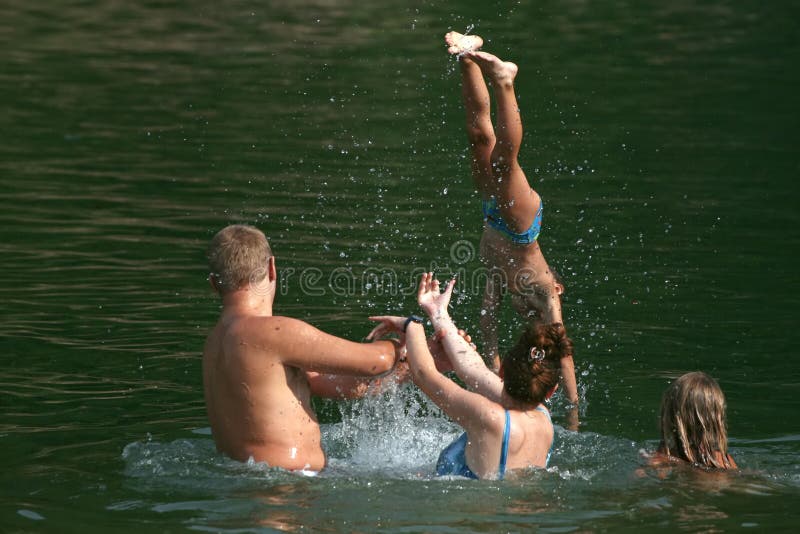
(663, 138)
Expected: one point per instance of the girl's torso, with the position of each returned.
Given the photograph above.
(531, 438)
(523, 266)
(523, 440)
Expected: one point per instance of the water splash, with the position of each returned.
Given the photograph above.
(398, 433)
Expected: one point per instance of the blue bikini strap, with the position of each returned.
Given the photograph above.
(550, 451)
(504, 450)
(543, 410)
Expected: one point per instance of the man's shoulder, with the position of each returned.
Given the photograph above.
(262, 335)
(267, 326)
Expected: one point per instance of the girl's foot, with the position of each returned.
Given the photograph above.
(497, 70)
(458, 43)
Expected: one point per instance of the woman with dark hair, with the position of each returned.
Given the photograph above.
(507, 426)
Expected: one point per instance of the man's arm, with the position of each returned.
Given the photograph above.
(343, 387)
(298, 344)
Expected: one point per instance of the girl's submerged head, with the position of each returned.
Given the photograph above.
(693, 422)
(532, 367)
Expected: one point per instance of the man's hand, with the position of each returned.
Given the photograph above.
(389, 324)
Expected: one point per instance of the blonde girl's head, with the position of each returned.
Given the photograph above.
(532, 367)
(693, 424)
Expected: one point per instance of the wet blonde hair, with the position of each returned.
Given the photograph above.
(238, 255)
(693, 421)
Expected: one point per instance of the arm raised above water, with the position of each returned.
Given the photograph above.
(467, 363)
(470, 410)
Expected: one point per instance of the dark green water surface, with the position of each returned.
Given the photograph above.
(663, 137)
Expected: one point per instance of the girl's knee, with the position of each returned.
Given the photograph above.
(480, 138)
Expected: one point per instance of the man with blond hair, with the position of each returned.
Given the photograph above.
(260, 370)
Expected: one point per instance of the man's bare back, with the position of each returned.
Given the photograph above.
(260, 370)
(258, 407)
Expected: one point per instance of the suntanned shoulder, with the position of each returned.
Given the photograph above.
(272, 333)
(264, 326)
(299, 344)
(257, 327)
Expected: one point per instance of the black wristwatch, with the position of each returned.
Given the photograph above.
(412, 319)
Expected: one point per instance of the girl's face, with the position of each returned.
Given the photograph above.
(535, 304)
(525, 306)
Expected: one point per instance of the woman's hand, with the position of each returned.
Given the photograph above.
(430, 299)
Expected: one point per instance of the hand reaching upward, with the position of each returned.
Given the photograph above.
(430, 299)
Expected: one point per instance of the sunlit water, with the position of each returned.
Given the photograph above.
(662, 136)
(382, 459)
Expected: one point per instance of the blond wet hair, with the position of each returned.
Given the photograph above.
(693, 422)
